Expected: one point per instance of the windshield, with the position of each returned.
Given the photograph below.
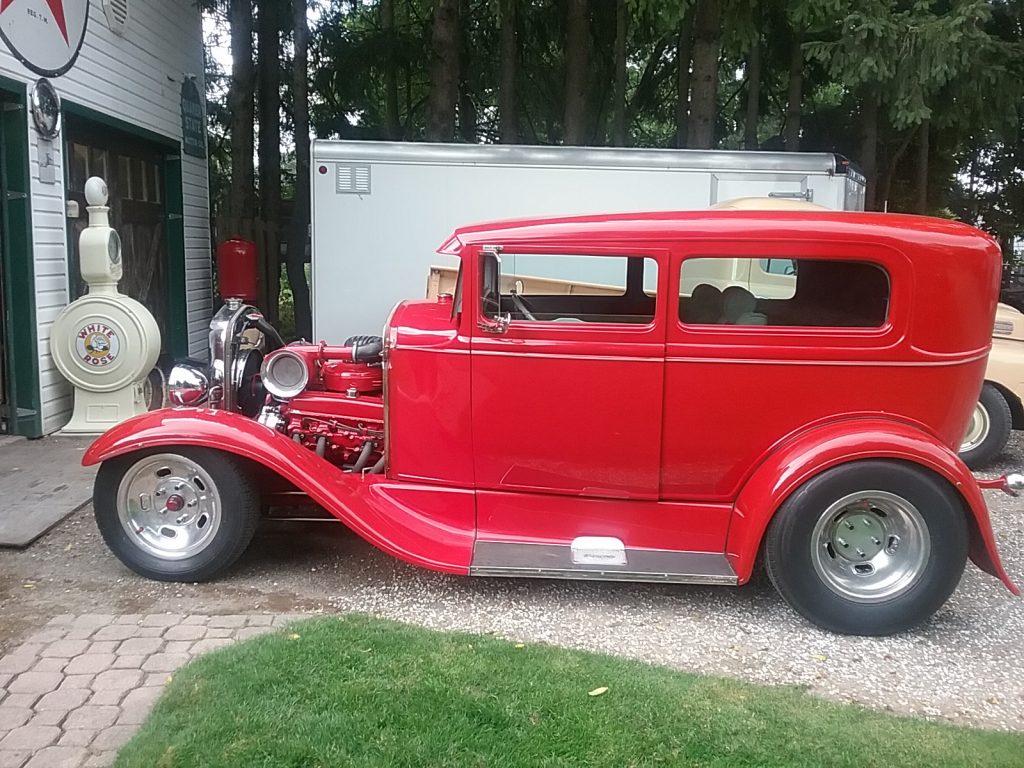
(457, 298)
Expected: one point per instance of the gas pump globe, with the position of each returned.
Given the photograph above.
(105, 343)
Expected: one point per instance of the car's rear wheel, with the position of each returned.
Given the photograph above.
(988, 430)
(176, 514)
(868, 548)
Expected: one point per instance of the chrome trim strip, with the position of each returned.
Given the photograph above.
(660, 160)
(554, 561)
(552, 356)
(857, 363)
(414, 348)
(545, 355)
(716, 360)
(587, 575)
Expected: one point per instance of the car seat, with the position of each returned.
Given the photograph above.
(739, 308)
(704, 305)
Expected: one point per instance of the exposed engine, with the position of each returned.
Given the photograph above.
(326, 398)
(329, 399)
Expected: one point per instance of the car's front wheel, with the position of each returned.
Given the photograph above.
(988, 430)
(868, 548)
(176, 514)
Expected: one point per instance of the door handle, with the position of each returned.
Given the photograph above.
(495, 325)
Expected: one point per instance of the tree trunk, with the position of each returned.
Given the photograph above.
(241, 97)
(794, 95)
(707, 30)
(869, 147)
(684, 55)
(753, 96)
(645, 95)
(885, 178)
(392, 122)
(577, 55)
(507, 106)
(269, 79)
(299, 235)
(619, 105)
(444, 71)
(467, 109)
(921, 184)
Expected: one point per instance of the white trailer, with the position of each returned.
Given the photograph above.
(380, 209)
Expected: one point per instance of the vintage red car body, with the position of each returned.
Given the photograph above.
(506, 445)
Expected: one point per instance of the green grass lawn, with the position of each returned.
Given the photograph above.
(361, 692)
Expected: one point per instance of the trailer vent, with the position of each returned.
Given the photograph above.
(353, 179)
(117, 14)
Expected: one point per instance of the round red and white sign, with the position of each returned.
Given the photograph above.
(97, 344)
(45, 35)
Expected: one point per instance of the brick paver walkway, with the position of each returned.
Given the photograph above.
(75, 691)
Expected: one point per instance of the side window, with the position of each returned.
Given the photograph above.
(815, 293)
(535, 274)
(574, 288)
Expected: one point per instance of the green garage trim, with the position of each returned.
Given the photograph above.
(95, 116)
(20, 330)
(174, 229)
(174, 203)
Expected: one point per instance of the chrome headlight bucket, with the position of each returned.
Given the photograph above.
(188, 386)
(284, 374)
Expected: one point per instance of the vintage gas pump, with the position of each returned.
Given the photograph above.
(105, 343)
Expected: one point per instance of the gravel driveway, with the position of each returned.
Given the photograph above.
(965, 666)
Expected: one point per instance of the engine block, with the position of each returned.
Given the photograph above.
(340, 415)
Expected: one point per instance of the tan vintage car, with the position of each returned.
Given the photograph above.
(1000, 406)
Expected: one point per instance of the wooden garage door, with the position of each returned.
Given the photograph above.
(133, 170)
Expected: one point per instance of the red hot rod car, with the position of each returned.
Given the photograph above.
(588, 404)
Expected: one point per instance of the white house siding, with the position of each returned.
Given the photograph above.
(135, 77)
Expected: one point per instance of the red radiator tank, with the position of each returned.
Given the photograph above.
(237, 270)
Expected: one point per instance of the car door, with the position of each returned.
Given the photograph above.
(568, 371)
(811, 340)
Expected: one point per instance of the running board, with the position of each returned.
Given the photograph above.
(603, 561)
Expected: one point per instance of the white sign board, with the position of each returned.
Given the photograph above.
(45, 35)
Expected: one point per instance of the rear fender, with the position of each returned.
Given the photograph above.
(424, 525)
(825, 447)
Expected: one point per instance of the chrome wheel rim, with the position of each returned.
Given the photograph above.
(169, 506)
(977, 430)
(870, 546)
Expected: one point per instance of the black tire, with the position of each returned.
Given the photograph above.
(1000, 422)
(791, 536)
(239, 511)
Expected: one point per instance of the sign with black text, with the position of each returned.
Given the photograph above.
(193, 119)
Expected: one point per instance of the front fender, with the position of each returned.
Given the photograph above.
(827, 446)
(424, 525)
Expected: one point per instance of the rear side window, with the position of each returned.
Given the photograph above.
(816, 293)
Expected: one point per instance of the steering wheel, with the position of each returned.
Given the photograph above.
(524, 309)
